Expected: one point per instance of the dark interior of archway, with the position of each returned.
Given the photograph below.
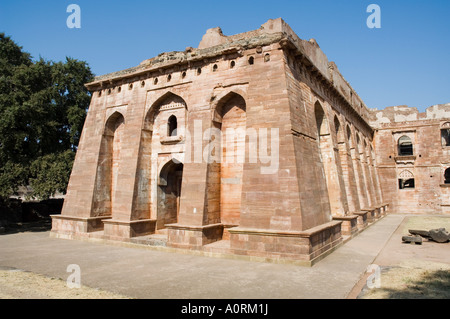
(169, 192)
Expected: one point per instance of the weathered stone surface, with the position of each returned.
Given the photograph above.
(412, 239)
(426, 164)
(439, 235)
(423, 233)
(154, 156)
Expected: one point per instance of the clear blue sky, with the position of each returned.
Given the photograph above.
(406, 62)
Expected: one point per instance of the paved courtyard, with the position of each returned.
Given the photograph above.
(146, 273)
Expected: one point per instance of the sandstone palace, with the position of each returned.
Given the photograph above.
(306, 164)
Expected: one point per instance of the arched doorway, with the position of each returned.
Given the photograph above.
(169, 192)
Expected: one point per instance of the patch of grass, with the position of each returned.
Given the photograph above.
(413, 280)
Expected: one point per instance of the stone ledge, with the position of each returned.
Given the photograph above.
(172, 140)
(76, 218)
(362, 219)
(285, 233)
(192, 227)
(75, 224)
(308, 246)
(371, 213)
(226, 233)
(128, 229)
(349, 225)
(127, 222)
(346, 217)
(193, 236)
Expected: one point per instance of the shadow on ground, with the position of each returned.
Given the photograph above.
(34, 226)
(429, 285)
(28, 216)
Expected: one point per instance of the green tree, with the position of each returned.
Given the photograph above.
(43, 106)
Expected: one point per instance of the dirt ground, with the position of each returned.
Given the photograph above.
(17, 284)
(411, 271)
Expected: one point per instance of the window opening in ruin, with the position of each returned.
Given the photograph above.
(232, 64)
(251, 60)
(406, 180)
(169, 77)
(215, 67)
(405, 146)
(199, 71)
(406, 183)
(172, 126)
(267, 57)
(445, 134)
(447, 176)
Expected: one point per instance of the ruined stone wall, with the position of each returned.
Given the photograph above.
(427, 164)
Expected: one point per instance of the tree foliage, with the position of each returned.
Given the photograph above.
(43, 106)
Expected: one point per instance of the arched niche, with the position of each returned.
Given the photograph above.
(226, 172)
(109, 164)
(163, 127)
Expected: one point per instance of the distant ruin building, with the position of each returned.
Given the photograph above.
(413, 158)
(305, 164)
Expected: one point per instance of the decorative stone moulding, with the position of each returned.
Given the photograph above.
(405, 160)
(172, 140)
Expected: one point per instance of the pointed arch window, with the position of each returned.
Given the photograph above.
(172, 125)
(406, 180)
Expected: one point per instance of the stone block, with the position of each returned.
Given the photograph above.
(193, 237)
(122, 230)
(349, 225)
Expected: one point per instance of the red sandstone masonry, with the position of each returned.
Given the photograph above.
(428, 163)
(262, 80)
